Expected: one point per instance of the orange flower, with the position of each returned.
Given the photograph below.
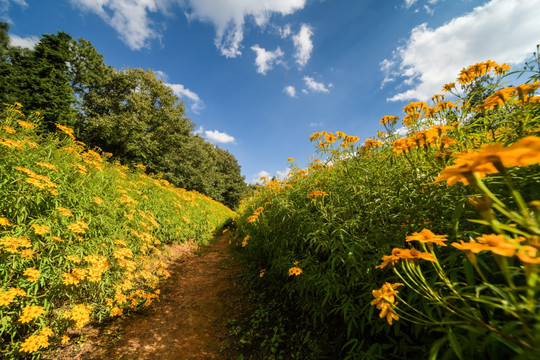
(471, 246)
(498, 244)
(388, 119)
(427, 237)
(405, 254)
(528, 254)
(316, 194)
(387, 311)
(384, 301)
(390, 259)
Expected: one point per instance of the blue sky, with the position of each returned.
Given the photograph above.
(258, 77)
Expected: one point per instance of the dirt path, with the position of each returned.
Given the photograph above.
(188, 322)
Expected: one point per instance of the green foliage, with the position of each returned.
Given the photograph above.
(318, 236)
(4, 39)
(129, 113)
(81, 238)
(38, 78)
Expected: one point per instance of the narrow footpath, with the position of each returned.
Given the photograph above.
(189, 322)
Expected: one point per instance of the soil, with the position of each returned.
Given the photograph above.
(189, 322)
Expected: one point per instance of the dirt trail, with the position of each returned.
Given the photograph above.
(187, 323)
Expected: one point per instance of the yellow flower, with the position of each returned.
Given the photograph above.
(26, 125)
(316, 194)
(47, 165)
(290, 159)
(65, 339)
(31, 312)
(80, 314)
(34, 343)
(449, 86)
(261, 273)
(4, 222)
(116, 311)
(295, 270)
(40, 229)
(78, 227)
(80, 167)
(46, 332)
(69, 279)
(64, 212)
(32, 274)
(245, 241)
(11, 143)
(385, 301)
(9, 129)
(388, 119)
(66, 130)
(27, 253)
(98, 200)
(330, 138)
(7, 297)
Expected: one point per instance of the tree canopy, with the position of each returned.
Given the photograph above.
(128, 112)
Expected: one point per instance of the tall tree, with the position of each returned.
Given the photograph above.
(39, 80)
(136, 117)
(4, 39)
(234, 187)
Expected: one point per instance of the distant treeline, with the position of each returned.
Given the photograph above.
(129, 112)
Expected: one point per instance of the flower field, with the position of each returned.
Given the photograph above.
(424, 241)
(81, 238)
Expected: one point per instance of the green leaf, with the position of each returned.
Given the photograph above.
(434, 351)
(454, 343)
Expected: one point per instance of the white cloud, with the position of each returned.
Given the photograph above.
(280, 174)
(6, 4)
(161, 75)
(283, 174)
(180, 91)
(314, 85)
(25, 42)
(285, 31)
(219, 137)
(313, 124)
(409, 3)
(265, 60)
(501, 30)
(130, 18)
(199, 130)
(303, 45)
(228, 17)
(290, 90)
